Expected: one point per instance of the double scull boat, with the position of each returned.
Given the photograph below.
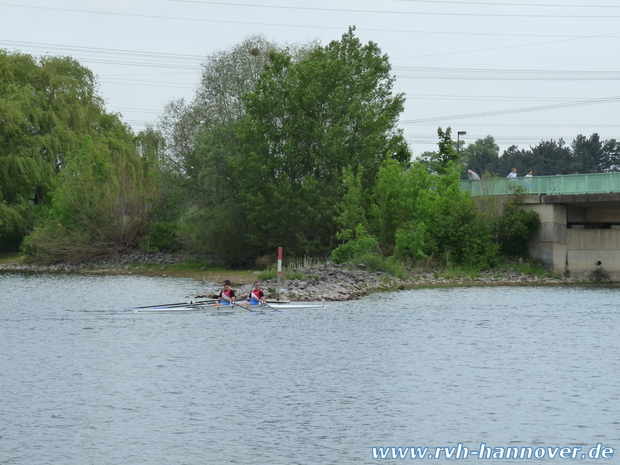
(212, 306)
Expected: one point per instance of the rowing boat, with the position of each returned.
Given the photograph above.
(213, 307)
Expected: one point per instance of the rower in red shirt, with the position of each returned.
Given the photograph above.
(257, 296)
(227, 295)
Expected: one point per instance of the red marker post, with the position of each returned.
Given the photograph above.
(278, 284)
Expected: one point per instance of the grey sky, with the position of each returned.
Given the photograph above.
(521, 72)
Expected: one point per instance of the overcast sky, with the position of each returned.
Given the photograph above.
(521, 72)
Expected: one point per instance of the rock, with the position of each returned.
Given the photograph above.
(328, 281)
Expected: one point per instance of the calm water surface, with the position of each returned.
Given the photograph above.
(84, 382)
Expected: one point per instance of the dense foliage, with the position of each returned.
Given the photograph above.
(307, 122)
(293, 147)
(46, 108)
(265, 169)
(66, 165)
(418, 213)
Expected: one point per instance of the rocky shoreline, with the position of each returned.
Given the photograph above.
(347, 282)
(325, 282)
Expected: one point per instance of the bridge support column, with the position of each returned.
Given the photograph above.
(549, 245)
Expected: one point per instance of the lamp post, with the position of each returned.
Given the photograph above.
(458, 136)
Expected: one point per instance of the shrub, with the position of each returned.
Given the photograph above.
(515, 227)
(161, 238)
(358, 243)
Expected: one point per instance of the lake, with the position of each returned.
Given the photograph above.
(83, 381)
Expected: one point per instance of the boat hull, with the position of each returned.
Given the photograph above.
(218, 308)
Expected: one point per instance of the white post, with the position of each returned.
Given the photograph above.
(279, 284)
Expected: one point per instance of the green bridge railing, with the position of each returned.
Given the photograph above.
(595, 183)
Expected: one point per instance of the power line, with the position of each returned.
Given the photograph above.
(515, 110)
(348, 10)
(128, 82)
(544, 5)
(528, 125)
(176, 18)
(118, 56)
(115, 51)
(488, 98)
(406, 72)
(193, 62)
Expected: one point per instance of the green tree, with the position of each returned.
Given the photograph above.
(592, 155)
(102, 204)
(306, 122)
(214, 222)
(443, 160)
(515, 227)
(352, 209)
(418, 215)
(546, 158)
(227, 75)
(401, 200)
(482, 156)
(202, 145)
(47, 106)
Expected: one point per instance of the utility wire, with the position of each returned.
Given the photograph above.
(346, 10)
(515, 110)
(481, 74)
(420, 13)
(519, 5)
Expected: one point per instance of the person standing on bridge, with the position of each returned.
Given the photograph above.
(512, 174)
(528, 181)
(472, 175)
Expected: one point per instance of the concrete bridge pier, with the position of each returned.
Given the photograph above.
(579, 234)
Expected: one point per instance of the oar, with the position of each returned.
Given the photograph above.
(245, 307)
(178, 304)
(269, 306)
(207, 301)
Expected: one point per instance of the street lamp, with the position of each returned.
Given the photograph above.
(458, 136)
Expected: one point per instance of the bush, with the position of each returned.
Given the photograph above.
(358, 243)
(410, 242)
(458, 234)
(515, 228)
(375, 262)
(161, 238)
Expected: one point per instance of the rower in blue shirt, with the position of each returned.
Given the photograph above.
(257, 296)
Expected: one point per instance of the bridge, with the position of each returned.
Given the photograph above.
(579, 215)
(594, 183)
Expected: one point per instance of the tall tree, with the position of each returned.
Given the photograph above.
(546, 158)
(226, 76)
(482, 156)
(592, 155)
(443, 160)
(306, 123)
(47, 106)
(102, 204)
(201, 144)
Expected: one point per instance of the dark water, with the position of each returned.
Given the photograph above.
(84, 382)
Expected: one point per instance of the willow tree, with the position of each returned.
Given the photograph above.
(104, 203)
(47, 106)
(308, 121)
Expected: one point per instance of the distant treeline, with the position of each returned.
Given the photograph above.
(583, 155)
(295, 147)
